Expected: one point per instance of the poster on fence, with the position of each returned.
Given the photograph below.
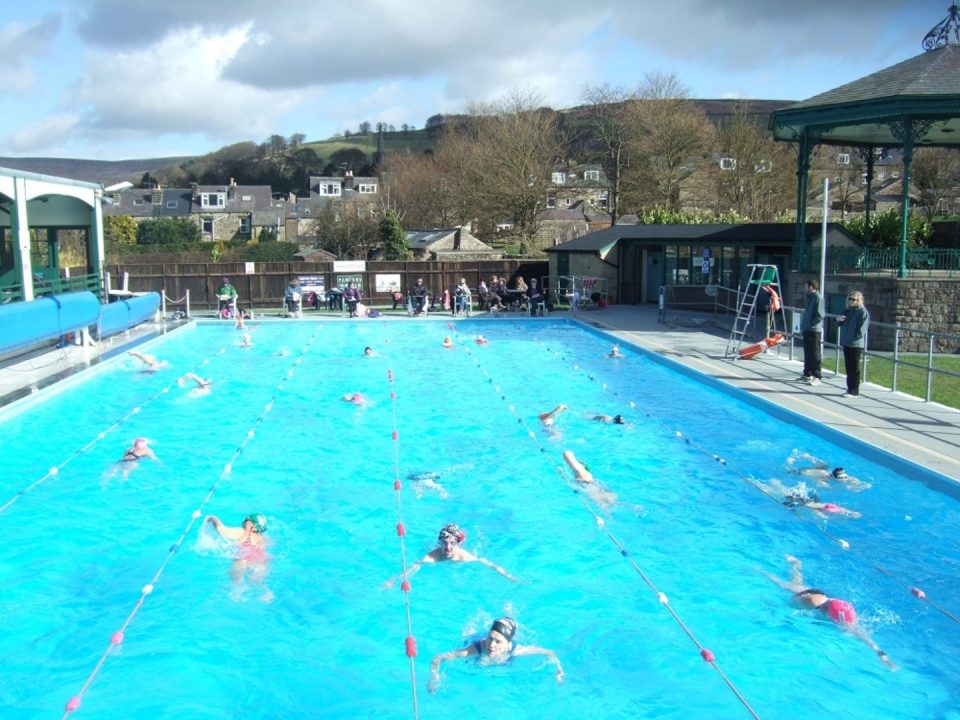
(311, 283)
(387, 282)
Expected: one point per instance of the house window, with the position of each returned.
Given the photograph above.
(843, 158)
(558, 178)
(206, 226)
(368, 188)
(245, 225)
(728, 163)
(881, 175)
(213, 200)
(551, 201)
(566, 201)
(591, 175)
(330, 189)
(602, 200)
(763, 166)
(171, 204)
(246, 198)
(138, 201)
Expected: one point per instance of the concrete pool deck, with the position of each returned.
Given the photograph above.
(927, 434)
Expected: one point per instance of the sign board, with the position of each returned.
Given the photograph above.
(349, 266)
(248, 268)
(311, 283)
(387, 282)
(706, 266)
(357, 281)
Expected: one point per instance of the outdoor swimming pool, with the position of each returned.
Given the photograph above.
(80, 545)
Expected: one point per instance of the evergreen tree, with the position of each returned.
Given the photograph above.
(394, 238)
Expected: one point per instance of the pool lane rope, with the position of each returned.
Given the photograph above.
(706, 654)
(55, 470)
(410, 642)
(844, 544)
(118, 636)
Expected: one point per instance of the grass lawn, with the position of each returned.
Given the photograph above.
(945, 389)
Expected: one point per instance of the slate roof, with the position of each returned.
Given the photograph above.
(717, 234)
(871, 110)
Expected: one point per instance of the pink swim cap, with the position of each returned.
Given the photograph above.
(841, 611)
(140, 442)
(357, 399)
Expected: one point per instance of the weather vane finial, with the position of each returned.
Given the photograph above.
(945, 32)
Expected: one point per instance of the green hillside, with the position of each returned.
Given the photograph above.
(415, 141)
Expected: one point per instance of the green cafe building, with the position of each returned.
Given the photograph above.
(636, 260)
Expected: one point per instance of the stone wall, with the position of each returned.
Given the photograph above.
(919, 303)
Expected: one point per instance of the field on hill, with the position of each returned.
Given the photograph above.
(415, 141)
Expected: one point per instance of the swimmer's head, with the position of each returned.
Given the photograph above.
(451, 532)
(505, 626)
(258, 520)
(619, 420)
(368, 350)
(839, 473)
(140, 443)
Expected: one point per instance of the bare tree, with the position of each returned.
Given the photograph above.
(754, 174)
(674, 143)
(936, 176)
(512, 149)
(346, 229)
(612, 121)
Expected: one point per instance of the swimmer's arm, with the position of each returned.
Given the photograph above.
(494, 566)
(534, 650)
(862, 634)
(225, 530)
(409, 572)
(442, 657)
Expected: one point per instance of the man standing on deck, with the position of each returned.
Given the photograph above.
(811, 325)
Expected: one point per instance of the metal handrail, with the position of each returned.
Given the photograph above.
(724, 301)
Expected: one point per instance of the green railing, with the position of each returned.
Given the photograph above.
(881, 261)
(54, 286)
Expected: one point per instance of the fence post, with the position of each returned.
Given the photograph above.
(930, 367)
(896, 355)
(188, 302)
(163, 303)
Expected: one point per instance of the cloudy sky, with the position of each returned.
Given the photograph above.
(119, 79)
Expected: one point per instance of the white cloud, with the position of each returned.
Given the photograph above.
(176, 86)
(20, 45)
(42, 136)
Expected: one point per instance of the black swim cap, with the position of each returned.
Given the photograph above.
(618, 420)
(505, 626)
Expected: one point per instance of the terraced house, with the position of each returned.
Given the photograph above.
(222, 212)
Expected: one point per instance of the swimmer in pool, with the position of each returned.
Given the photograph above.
(152, 364)
(132, 456)
(481, 340)
(549, 418)
(841, 612)
(424, 481)
(252, 558)
(449, 543)
(448, 342)
(821, 472)
(611, 419)
(203, 385)
(600, 495)
(801, 496)
(615, 352)
(369, 352)
(355, 398)
(496, 648)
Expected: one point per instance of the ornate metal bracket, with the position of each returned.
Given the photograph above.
(946, 30)
(920, 128)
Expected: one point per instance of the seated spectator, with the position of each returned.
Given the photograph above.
(335, 299)
(352, 296)
(227, 295)
(496, 293)
(419, 294)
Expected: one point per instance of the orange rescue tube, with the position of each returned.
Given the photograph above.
(751, 351)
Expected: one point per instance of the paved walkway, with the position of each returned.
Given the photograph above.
(924, 433)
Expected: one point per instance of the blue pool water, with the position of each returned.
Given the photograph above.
(80, 545)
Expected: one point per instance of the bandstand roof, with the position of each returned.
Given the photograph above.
(871, 111)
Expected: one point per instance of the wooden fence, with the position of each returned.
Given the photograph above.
(263, 288)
